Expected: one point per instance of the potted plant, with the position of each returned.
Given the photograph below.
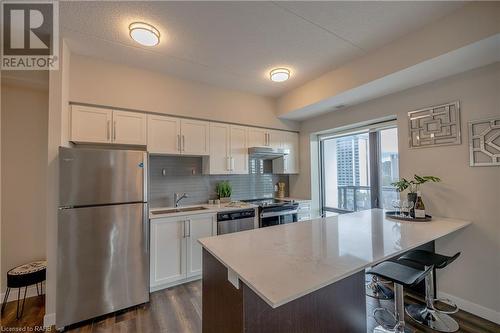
(224, 191)
(413, 185)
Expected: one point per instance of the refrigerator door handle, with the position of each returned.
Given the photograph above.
(145, 181)
(145, 227)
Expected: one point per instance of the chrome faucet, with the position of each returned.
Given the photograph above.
(178, 197)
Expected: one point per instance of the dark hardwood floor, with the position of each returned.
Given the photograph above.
(178, 310)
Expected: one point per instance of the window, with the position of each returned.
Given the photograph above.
(357, 169)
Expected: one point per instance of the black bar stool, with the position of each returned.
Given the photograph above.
(400, 275)
(428, 314)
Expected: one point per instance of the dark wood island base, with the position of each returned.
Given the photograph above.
(337, 308)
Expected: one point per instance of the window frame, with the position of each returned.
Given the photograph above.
(373, 131)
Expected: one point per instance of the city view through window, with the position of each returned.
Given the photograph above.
(348, 166)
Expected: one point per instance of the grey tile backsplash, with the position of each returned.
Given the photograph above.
(170, 174)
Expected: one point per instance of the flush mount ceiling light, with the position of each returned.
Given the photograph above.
(144, 34)
(279, 74)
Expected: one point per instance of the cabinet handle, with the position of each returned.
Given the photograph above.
(178, 142)
(114, 130)
(188, 223)
(183, 143)
(228, 167)
(232, 163)
(108, 130)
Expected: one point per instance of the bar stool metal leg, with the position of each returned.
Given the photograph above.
(427, 314)
(377, 289)
(5, 298)
(397, 322)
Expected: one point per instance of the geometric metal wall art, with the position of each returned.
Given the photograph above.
(434, 126)
(484, 142)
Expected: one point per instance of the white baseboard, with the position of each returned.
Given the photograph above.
(31, 292)
(49, 320)
(152, 289)
(473, 308)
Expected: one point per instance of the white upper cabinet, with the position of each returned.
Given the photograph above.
(164, 135)
(89, 124)
(170, 135)
(219, 163)
(275, 139)
(228, 150)
(195, 137)
(238, 156)
(99, 125)
(289, 164)
(129, 128)
(258, 137)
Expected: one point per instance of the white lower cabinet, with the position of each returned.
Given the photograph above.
(199, 226)
(175, 251)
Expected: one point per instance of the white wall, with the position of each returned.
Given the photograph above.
(466, 192)
(23, 182)
(104, 83)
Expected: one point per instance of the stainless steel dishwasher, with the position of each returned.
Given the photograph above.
(236, 220)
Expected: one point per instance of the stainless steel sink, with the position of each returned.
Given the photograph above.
(178, 210)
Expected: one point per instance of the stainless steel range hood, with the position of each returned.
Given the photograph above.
(267, 153)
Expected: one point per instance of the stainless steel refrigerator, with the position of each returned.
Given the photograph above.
(103, 233)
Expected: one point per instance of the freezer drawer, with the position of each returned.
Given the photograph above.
(103, 260)
(101, 176)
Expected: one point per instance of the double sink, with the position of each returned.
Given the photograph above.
(178, 210)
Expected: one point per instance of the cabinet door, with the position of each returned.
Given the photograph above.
(291, 142)
(164, 134)
(257, 137)
(219, 149)
(89, 124)
(238, 150)
(168, 251)
(129, 128)
(199, 226)
(276, 139)
(195, 137)
(289, 163)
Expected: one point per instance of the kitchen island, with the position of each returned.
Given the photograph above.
(305, 276)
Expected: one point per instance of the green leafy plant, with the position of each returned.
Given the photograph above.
(224, 189)
(414, 184)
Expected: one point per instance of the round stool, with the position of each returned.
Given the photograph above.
(428, 314)
(24, 276)
(400, 275)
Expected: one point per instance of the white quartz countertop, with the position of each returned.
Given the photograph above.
(209, 209)
(282, 263)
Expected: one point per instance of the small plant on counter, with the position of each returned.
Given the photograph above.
(414, 184)
(224, 189)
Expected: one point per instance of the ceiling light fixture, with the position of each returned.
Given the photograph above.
(279, 74)
(144, 34)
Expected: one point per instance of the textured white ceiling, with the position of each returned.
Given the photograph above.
(235, 44)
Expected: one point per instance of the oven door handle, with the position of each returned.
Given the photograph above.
(279, 213)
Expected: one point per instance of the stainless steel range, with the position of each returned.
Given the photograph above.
(275, 212)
